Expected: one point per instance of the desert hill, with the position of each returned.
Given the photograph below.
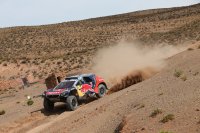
(69, 46)
(164, 103)
(142, 107)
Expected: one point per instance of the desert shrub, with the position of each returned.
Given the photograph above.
(40, 76)
(47, 64)
(42, 61)
(167, 118)
(2, 112)
(30, 102)
(196, 73)
(160, 94)
(165, 132)
(87, 62)
(190, 49)
(34, 73)
(156, 112)
(5, 64)
(35, 62)
(24, 61)
(58, 63)
(141, 106)
(198, 122)
(178, 73)
(199, 47)
(65, 58)
(184, 78)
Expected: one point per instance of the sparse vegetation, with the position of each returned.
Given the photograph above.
(30, 102)
(167, 118)
(2, 112)
(23, 62)
(190, 49)
(184, 78)
(199, 47)
(156, 112)
(5, 64)
(69, 46)
(196, 73)
(178, 73)
(165, 132)
(141, 106)
(50, 42)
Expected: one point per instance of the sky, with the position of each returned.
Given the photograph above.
(39, 12)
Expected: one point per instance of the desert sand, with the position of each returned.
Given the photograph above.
(163, 46)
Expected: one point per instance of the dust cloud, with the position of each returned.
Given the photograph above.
(117, 63)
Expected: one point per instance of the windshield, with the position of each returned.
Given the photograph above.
(65, 85)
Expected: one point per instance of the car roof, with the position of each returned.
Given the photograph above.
(79, 76)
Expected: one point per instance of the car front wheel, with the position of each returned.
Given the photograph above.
(72, 103)
(48, 105)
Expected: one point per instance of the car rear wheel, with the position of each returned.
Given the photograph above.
(72, 103)
(48, 105)
(102, 90)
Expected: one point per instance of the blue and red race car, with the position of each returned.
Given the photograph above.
(73, 89)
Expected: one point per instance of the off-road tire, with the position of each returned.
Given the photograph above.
(72, 103)
(48, 105)
(102, 90)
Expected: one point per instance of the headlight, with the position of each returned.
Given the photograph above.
(44, 94)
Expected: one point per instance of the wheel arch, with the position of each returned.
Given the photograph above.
(103, 84)
(73, 92)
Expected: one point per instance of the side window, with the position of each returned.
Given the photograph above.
(87, 80)
(90, 81)
(79, 83)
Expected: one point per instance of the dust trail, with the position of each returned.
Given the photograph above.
(115, 64)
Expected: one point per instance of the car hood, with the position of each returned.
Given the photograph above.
(55, 92)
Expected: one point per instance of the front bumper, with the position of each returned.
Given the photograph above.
(56, 98)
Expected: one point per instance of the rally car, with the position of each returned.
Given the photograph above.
(73, 89)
